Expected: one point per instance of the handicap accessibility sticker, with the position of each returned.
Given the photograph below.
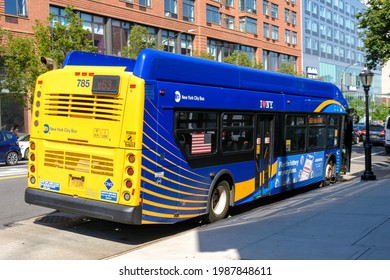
(108, 196)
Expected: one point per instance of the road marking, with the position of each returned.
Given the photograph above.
(12, 177)
(364, 156)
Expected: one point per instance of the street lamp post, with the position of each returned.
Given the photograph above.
(366, 77)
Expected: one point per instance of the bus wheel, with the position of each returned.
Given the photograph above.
(219, 202)
(330, 173)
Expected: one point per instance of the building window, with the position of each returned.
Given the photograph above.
(120, 35)
(265, 60)
(274, 62)
(170, 8)
(265, 7)
(58, 16)
(294, 18)
(275, 32)
(169, 40)
(95, 25)
(266, 30)
(294, 38)
(229, 22)
(248, 24)
(248, 6)
(287, 36)
(274, 10)
(287, 15)
(186, 44)
(145, 3)
(307, 42)
(15, 7)
(250, 51)
(189, 10)
(229, 3)
(212, 14)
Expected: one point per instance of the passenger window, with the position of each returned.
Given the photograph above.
(196, 132)
(296, 133)
(237, 132)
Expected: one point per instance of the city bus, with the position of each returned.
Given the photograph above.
(167, 137)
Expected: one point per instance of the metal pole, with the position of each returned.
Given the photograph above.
(367, 174)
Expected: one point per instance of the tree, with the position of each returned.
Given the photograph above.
(359, 105)
(379, 111)
(374, 25)
(139, 39)
(21, 66)
(203, 54)
(287, 68)
(241, 59)
(21, 55)
(58, 40)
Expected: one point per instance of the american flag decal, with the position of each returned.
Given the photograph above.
(201, 143)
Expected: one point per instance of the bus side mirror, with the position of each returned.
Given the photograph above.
(49, 63)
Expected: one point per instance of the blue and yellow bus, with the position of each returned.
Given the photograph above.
(167, 137)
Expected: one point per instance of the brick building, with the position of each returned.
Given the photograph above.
(268, 30)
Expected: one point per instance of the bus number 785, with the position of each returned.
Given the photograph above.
(83, 83)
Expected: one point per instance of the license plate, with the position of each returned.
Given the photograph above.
(77, 182)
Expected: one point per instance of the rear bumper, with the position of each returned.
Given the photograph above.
(85, 207)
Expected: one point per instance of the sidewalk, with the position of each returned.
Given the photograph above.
(344, 221)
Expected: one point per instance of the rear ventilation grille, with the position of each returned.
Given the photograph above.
(79, 162)
(98, 107)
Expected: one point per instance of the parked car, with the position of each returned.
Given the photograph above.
(359, 130)
(24, 143)
(377, 134)
(387, 134)
(9, 148)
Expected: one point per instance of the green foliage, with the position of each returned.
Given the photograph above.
(21, 65)
(287, 68)
(139, 39)
(203, 54)
(55, 42)
(374, 23)
(379, 111)
(359, 106)
(21, 55)
(241, 59)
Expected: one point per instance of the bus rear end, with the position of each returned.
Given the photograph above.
(85, 145)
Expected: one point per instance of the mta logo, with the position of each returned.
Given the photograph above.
(265, 104)
(46, 128)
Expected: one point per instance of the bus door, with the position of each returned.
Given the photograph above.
(264, 151)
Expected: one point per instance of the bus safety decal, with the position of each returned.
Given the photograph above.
(130, 139)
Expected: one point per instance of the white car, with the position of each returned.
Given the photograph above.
(24, 143)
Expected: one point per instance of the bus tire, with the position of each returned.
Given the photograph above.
(330, 173)
(219, 202)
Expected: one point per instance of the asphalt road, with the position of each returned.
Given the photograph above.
(35, 233)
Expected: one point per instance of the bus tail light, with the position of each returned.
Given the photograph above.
(32, 168)
(126, 196)
(32, 146)
(130, 171)
(32, 180)
(131, 158)
(128, 183)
